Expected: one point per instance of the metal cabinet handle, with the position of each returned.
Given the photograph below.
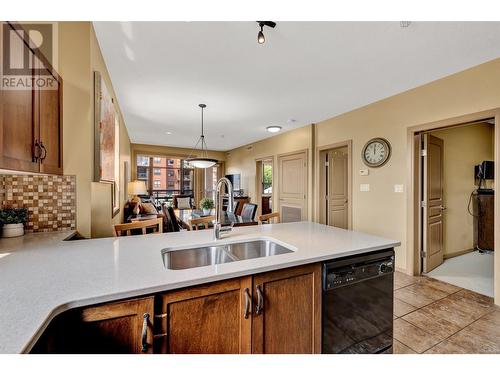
(442, 208)
(44, 155)
(248, 303)
(260, 301)
(144, 341)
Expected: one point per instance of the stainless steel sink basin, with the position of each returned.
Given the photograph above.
(211, 255)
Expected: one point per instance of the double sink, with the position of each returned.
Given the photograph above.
(218, 254)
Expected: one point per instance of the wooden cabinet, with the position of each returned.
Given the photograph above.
(50, 124)
(287, 317)
(124, 327)
(30, 117)
(215, 318)
(17, 116)
(273, 312)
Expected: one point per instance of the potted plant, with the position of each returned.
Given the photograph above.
(13, 220)
(207, 205)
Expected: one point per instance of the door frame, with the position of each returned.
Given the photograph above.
(258, 182)
(319, 178)
(277, 170)
(414, 263)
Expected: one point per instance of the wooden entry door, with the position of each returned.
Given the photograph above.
(337, 198)
(293, 187)
(433, 227)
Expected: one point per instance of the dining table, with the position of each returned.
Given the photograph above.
(227, 217)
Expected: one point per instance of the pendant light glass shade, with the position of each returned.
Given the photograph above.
(203, 161)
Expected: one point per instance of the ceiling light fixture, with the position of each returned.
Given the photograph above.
(261, 39)
(203, 161)
(273, 128)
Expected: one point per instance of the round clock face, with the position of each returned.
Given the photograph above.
(376, 152)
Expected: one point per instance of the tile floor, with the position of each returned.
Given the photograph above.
(431, 316)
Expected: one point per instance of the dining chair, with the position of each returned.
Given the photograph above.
(248, 211)
(273, 217)
(183, 201)
(236, 207)
(171, 222)
(156, 224)
(205, 221)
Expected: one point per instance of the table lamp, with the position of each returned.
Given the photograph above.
(136, 188)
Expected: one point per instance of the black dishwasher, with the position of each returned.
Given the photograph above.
(358, 304)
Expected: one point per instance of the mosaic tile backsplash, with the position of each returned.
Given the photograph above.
(50, 200)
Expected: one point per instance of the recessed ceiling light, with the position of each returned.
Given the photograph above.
(168, 133)
(273, 128)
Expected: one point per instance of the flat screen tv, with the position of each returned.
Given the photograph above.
(235, 180)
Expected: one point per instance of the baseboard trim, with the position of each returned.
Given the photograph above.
(457, 254)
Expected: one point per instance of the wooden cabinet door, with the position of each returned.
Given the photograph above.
(17, 127)
(287, 311)
(122, 327)
(207, 319)
(48, 112)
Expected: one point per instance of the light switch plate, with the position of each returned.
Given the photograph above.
(398, 188)
(364, 187)
(364, 172)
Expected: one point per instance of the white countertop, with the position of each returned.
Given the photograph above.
(42, 276)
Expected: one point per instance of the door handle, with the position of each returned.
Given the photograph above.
(260, 301)
(44, 154)
(442, 207)
(144, 336)
(248, 303)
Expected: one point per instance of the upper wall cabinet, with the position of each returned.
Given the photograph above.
(30, 116)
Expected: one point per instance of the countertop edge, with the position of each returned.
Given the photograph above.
(63, 307)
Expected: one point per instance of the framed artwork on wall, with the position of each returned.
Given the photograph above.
(106, 141)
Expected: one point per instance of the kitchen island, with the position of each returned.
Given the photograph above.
(42, 278)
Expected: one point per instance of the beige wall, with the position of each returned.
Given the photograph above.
(243, 160)
(74, 68)
(79, 57)
(464, 147)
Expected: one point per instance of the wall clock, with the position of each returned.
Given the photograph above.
(376, 152)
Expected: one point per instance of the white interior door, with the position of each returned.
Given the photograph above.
(292, 181)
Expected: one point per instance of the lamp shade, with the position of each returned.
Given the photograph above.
(136, 188)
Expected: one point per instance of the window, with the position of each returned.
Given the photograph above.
(164, 176)
(267, 177)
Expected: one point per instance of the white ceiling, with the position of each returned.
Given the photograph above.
(306, 71)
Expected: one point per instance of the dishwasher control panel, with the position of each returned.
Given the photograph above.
(353, 273)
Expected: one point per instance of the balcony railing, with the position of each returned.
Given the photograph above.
(166, 196)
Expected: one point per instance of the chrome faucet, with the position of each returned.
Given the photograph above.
(218, 229)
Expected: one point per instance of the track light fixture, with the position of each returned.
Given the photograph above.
(261, 39)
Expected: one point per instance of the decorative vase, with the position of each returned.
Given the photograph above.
(12, 230)
(206, 211)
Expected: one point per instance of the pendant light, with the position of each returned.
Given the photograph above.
(203, 161)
